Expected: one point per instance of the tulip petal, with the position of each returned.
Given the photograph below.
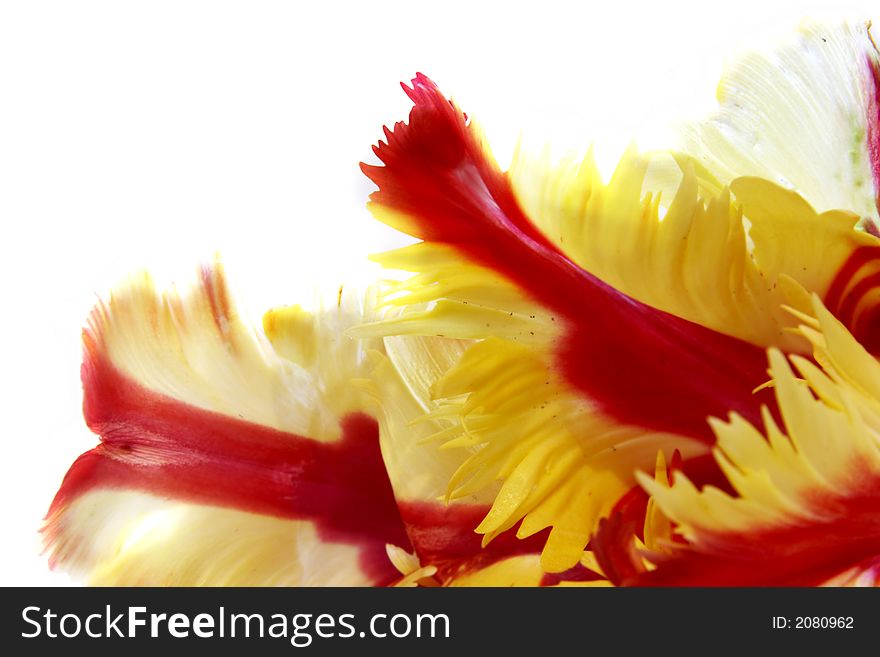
(803, 115)
(687, 255)
(791, 238)
(692, 256)
(126, 537)
(439, 183)
(806, 496)
(419, 469)
(204, 465)
(564, 395)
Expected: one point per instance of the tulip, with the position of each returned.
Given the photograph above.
(668, 378)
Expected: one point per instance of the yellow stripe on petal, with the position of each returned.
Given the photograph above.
(129, 538)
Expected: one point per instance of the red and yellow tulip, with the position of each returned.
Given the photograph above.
(668, 378)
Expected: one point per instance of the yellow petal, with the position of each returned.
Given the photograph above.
(130, 538)
(797, 115)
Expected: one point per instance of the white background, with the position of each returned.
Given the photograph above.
(153, 134)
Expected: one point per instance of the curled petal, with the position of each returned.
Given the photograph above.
(804, 511)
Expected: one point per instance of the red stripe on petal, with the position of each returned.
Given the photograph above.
(444, 536)
(859, 258)
(613, 541)
(218, 297)
(156, 444)
(848, 307)
(798, 554)
(873, 122)
(801, 555)
(848, 296)
(644, 366)
(578, 573)
(867, 329)
(860, 274)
